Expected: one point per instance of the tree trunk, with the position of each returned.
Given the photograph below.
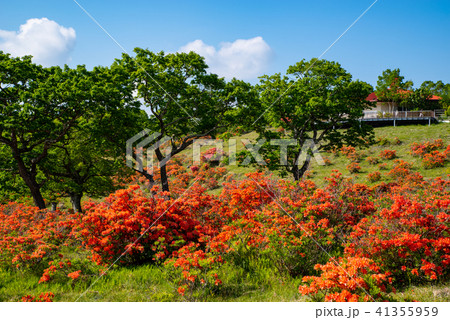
(36, 194)
(53, 206)
(305, 166)
(75, 199)
(163, 170)
(296, 173)
(299, 172)
(164, 179)
(30, 181)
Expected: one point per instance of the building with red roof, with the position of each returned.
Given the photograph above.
(384, 106)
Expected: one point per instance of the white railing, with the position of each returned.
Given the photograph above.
(398, 114)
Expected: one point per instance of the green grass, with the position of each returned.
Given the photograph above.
(149, 283)
(407, 135)
(431, 293)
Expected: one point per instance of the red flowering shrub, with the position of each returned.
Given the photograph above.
(182, 174)
(382, 166)
(145, 227)
(74, 275)
(374, 176)
(402, 172)
(410, 236)
(354, 167)
(30, 237)
(392, 232)
(347, 280)
(348, 150)
(351, 153)
(433, 160)
(447, 152)
(204, 175)
(388, 154)
(43, 297)
(420, 149)
(63, 270)
(193, 269)
(292, 236)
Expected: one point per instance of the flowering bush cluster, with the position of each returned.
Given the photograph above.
(397, 141)
(60, 270)
(420, 149)
(433, 160)
(212, 155)
(383, 166)
(327, 161)
(184, 175)
(30, 238)
(354, 167)
(374, 176)
(146, 228)
(409, 237)
(430, 154)
(388, 154)
(43, 297)
(348, 280)
(405, 241)
(351, 153)
(193, 269)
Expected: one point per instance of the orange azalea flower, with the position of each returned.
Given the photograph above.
(74, 275)
(181, 290)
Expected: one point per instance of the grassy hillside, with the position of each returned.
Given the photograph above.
(398, 138)
(386, 138)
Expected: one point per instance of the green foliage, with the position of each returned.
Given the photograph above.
(91, 157)
(418, 99)
(312, 101)
(64, 128)
(184, 102)
(439, 89)
(391, 87)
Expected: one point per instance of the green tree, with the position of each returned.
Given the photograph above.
(184, 102)
(27, 126)
(39, 107)
(439, 89)
(12, 186)
(392, 88)
(91, 158)
(316, 102)
(418, 99)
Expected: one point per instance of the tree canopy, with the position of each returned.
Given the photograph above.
(392, 88)
(316, 102)
(183, 100)
(49, 117)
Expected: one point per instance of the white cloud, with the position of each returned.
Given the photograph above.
(48, 42)
(243, 59)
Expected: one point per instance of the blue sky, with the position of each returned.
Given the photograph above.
(411, 35)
